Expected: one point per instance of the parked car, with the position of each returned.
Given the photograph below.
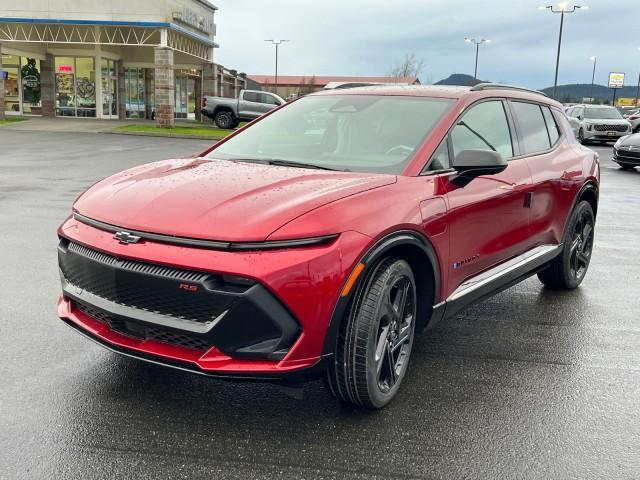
(633, 117)
(318, 241)
(597, 123)
(227, 113)
(626, 151)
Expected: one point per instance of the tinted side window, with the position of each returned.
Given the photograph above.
(251, 97)
(484, 127)
(533, 129)
(552, 125)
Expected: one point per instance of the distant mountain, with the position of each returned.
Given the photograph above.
(577, 91)
(565, 93)
(459, 79)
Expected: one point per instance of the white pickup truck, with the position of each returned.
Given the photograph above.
(250, 104)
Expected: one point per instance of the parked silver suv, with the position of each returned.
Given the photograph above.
(597, 123)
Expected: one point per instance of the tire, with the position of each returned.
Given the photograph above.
(581, 137)
(625, 166)
(225, 119)
(567, 270)
(375, 341)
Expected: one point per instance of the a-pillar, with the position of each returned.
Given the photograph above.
(48, 86)
(165, 90)
(1, 87)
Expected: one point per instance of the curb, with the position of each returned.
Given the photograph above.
(164, 135)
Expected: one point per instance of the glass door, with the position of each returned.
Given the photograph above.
(109, 89)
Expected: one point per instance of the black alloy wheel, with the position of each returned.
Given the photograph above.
(375, 341)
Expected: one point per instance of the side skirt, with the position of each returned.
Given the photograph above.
(494, 280)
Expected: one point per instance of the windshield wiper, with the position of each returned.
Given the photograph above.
(287, 163)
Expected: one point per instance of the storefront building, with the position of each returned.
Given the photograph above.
(79, 58)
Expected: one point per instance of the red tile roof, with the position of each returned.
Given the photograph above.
(322, 80)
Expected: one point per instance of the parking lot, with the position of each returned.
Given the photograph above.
(528, 384)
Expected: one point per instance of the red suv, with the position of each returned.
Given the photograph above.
(320, 238)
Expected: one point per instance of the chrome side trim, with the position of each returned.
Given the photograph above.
(502, 275)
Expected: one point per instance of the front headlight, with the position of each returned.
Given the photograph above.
(589, 126)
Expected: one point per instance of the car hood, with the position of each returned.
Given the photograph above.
(217, 199)
(608, 121)
(629, 141)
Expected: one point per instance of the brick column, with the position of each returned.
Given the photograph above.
(122, 91)
(209, 81)
(165, 88)
(48, 86)
(1, 88)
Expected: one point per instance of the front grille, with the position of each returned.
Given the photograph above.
(634, 154)
(142, 332)
(610, 128)
(181, 294)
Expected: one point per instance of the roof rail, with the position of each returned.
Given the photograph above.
(501, 86)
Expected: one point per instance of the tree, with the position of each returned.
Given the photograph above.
(409, 67)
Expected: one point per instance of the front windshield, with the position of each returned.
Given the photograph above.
(360, 133)
(607, 113)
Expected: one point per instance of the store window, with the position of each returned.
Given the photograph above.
(75, 87)
(31, 87)
(11, 65)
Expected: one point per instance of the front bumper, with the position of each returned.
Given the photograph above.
(628, 157)
(603, 136)
(274, 329)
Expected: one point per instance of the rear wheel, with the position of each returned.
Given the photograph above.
(568, 269)
(225, 119)
(374, 345)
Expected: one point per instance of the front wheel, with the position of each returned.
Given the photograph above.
(568, 269)
(625, 166)
(581, 137)
(374, 345)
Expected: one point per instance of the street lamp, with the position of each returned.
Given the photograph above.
(561, 8)
(277, 43)
(594, 59)
(638, 89)
(477, 43)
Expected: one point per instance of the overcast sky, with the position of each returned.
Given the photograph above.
(367, 37)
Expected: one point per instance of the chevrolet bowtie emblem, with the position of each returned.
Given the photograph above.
(126, 237)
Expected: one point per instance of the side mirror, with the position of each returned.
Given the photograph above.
(473, 163)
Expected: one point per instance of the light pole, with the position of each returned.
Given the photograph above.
(562, 8)
(477, 43)
(638, 89)
(594, 59)
(277, 43)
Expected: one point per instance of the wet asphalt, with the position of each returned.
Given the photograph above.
(528, 384)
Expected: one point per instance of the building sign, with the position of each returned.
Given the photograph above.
(192, 19)
(616, 80)
(65, 68)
